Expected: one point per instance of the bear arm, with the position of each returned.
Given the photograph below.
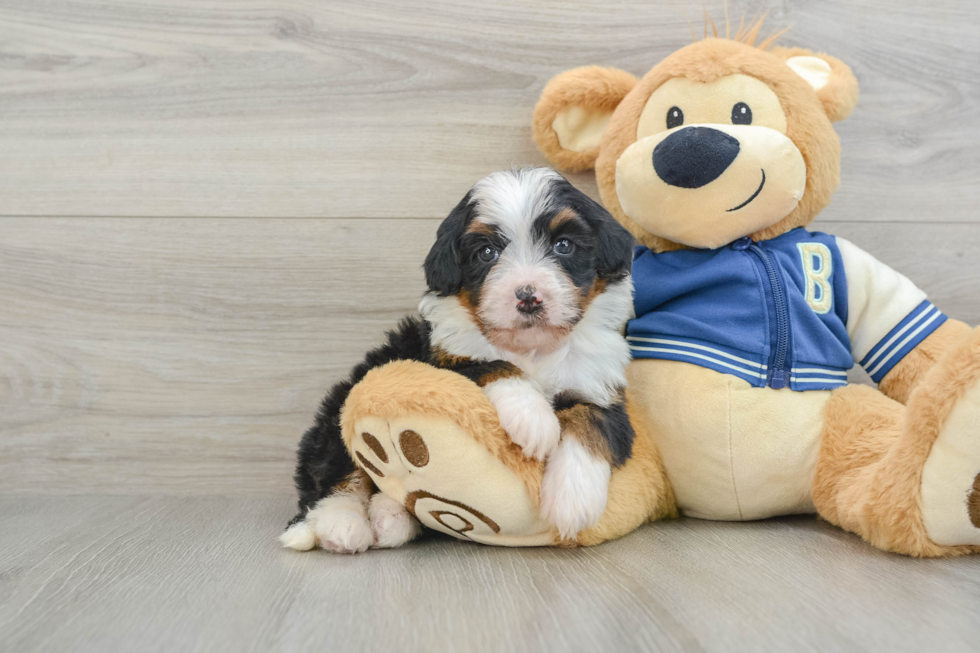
(888, 320)
(906, 375)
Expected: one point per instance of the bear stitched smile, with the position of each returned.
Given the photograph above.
(754, 195)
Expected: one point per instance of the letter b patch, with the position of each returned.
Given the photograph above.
(817, 267)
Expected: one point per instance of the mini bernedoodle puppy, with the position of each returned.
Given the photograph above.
(529, 294)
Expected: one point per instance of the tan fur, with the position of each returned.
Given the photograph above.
(410, 387)
(563, 216)
(509, 372)
(590, 87)
(477, 227)
(356, 484)
(869, 471)
(578, 420)
(473, 310)
(909, 372)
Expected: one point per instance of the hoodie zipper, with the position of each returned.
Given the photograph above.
(778, 376)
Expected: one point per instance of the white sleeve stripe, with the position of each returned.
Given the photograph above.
(795, 379)
(911, 320)
(935, 315)
(678, 343)
(816, 370)
(691, 354)
(879, 301)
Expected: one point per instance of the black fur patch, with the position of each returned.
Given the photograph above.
(612, 422)
(614, 244)
(322, 461)
(443, 272)
(483, 373)
(580, 265)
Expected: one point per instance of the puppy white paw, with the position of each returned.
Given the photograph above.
(344, 531)
(391, 523)
(575, 488)
(339, 523)
(526, 415)
(299, 537)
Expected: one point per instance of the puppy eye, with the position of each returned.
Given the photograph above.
(741, 114)
(564, 247)
(488, 254)
(675, 117)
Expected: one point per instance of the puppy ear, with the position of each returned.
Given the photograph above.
(831, 78)
(443, 272)
(614, 244)
(614, 251)
(573, 112)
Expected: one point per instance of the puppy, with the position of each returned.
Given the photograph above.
(529, 294)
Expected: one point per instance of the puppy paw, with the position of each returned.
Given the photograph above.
(340, 524)
(299, 537)
(575, 488)
(344, 531)
(391, 523)
(526, 415)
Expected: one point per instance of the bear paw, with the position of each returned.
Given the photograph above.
(950, 498)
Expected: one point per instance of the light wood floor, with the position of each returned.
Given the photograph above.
(210, 208)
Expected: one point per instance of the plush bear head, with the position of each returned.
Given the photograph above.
(720, 140)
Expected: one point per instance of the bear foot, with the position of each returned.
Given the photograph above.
(951, 474)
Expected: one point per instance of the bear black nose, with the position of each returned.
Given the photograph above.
(694, 156)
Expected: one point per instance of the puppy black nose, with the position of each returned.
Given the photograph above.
(694, 156)
(527, 301)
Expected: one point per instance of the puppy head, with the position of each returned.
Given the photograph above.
(526, 253)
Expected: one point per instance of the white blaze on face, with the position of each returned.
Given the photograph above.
(510, 202)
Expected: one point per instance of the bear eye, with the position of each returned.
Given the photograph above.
(675, 117)
(741, 114)
(564, 247)
(488, 254)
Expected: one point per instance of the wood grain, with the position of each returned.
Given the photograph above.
(170, 317)
(185, 356)
(384, 108)
(107, 574)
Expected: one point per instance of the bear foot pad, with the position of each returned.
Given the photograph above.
(429, 464)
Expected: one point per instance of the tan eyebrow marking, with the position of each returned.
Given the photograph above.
(565, 215)
(477, 227)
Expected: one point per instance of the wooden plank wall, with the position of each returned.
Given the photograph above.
(210, 209)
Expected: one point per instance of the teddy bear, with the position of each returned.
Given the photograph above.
(746, 322)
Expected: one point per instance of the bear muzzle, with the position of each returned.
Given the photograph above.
(707, 185)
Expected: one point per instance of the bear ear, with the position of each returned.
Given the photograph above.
(831, 78)
(573, 112)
